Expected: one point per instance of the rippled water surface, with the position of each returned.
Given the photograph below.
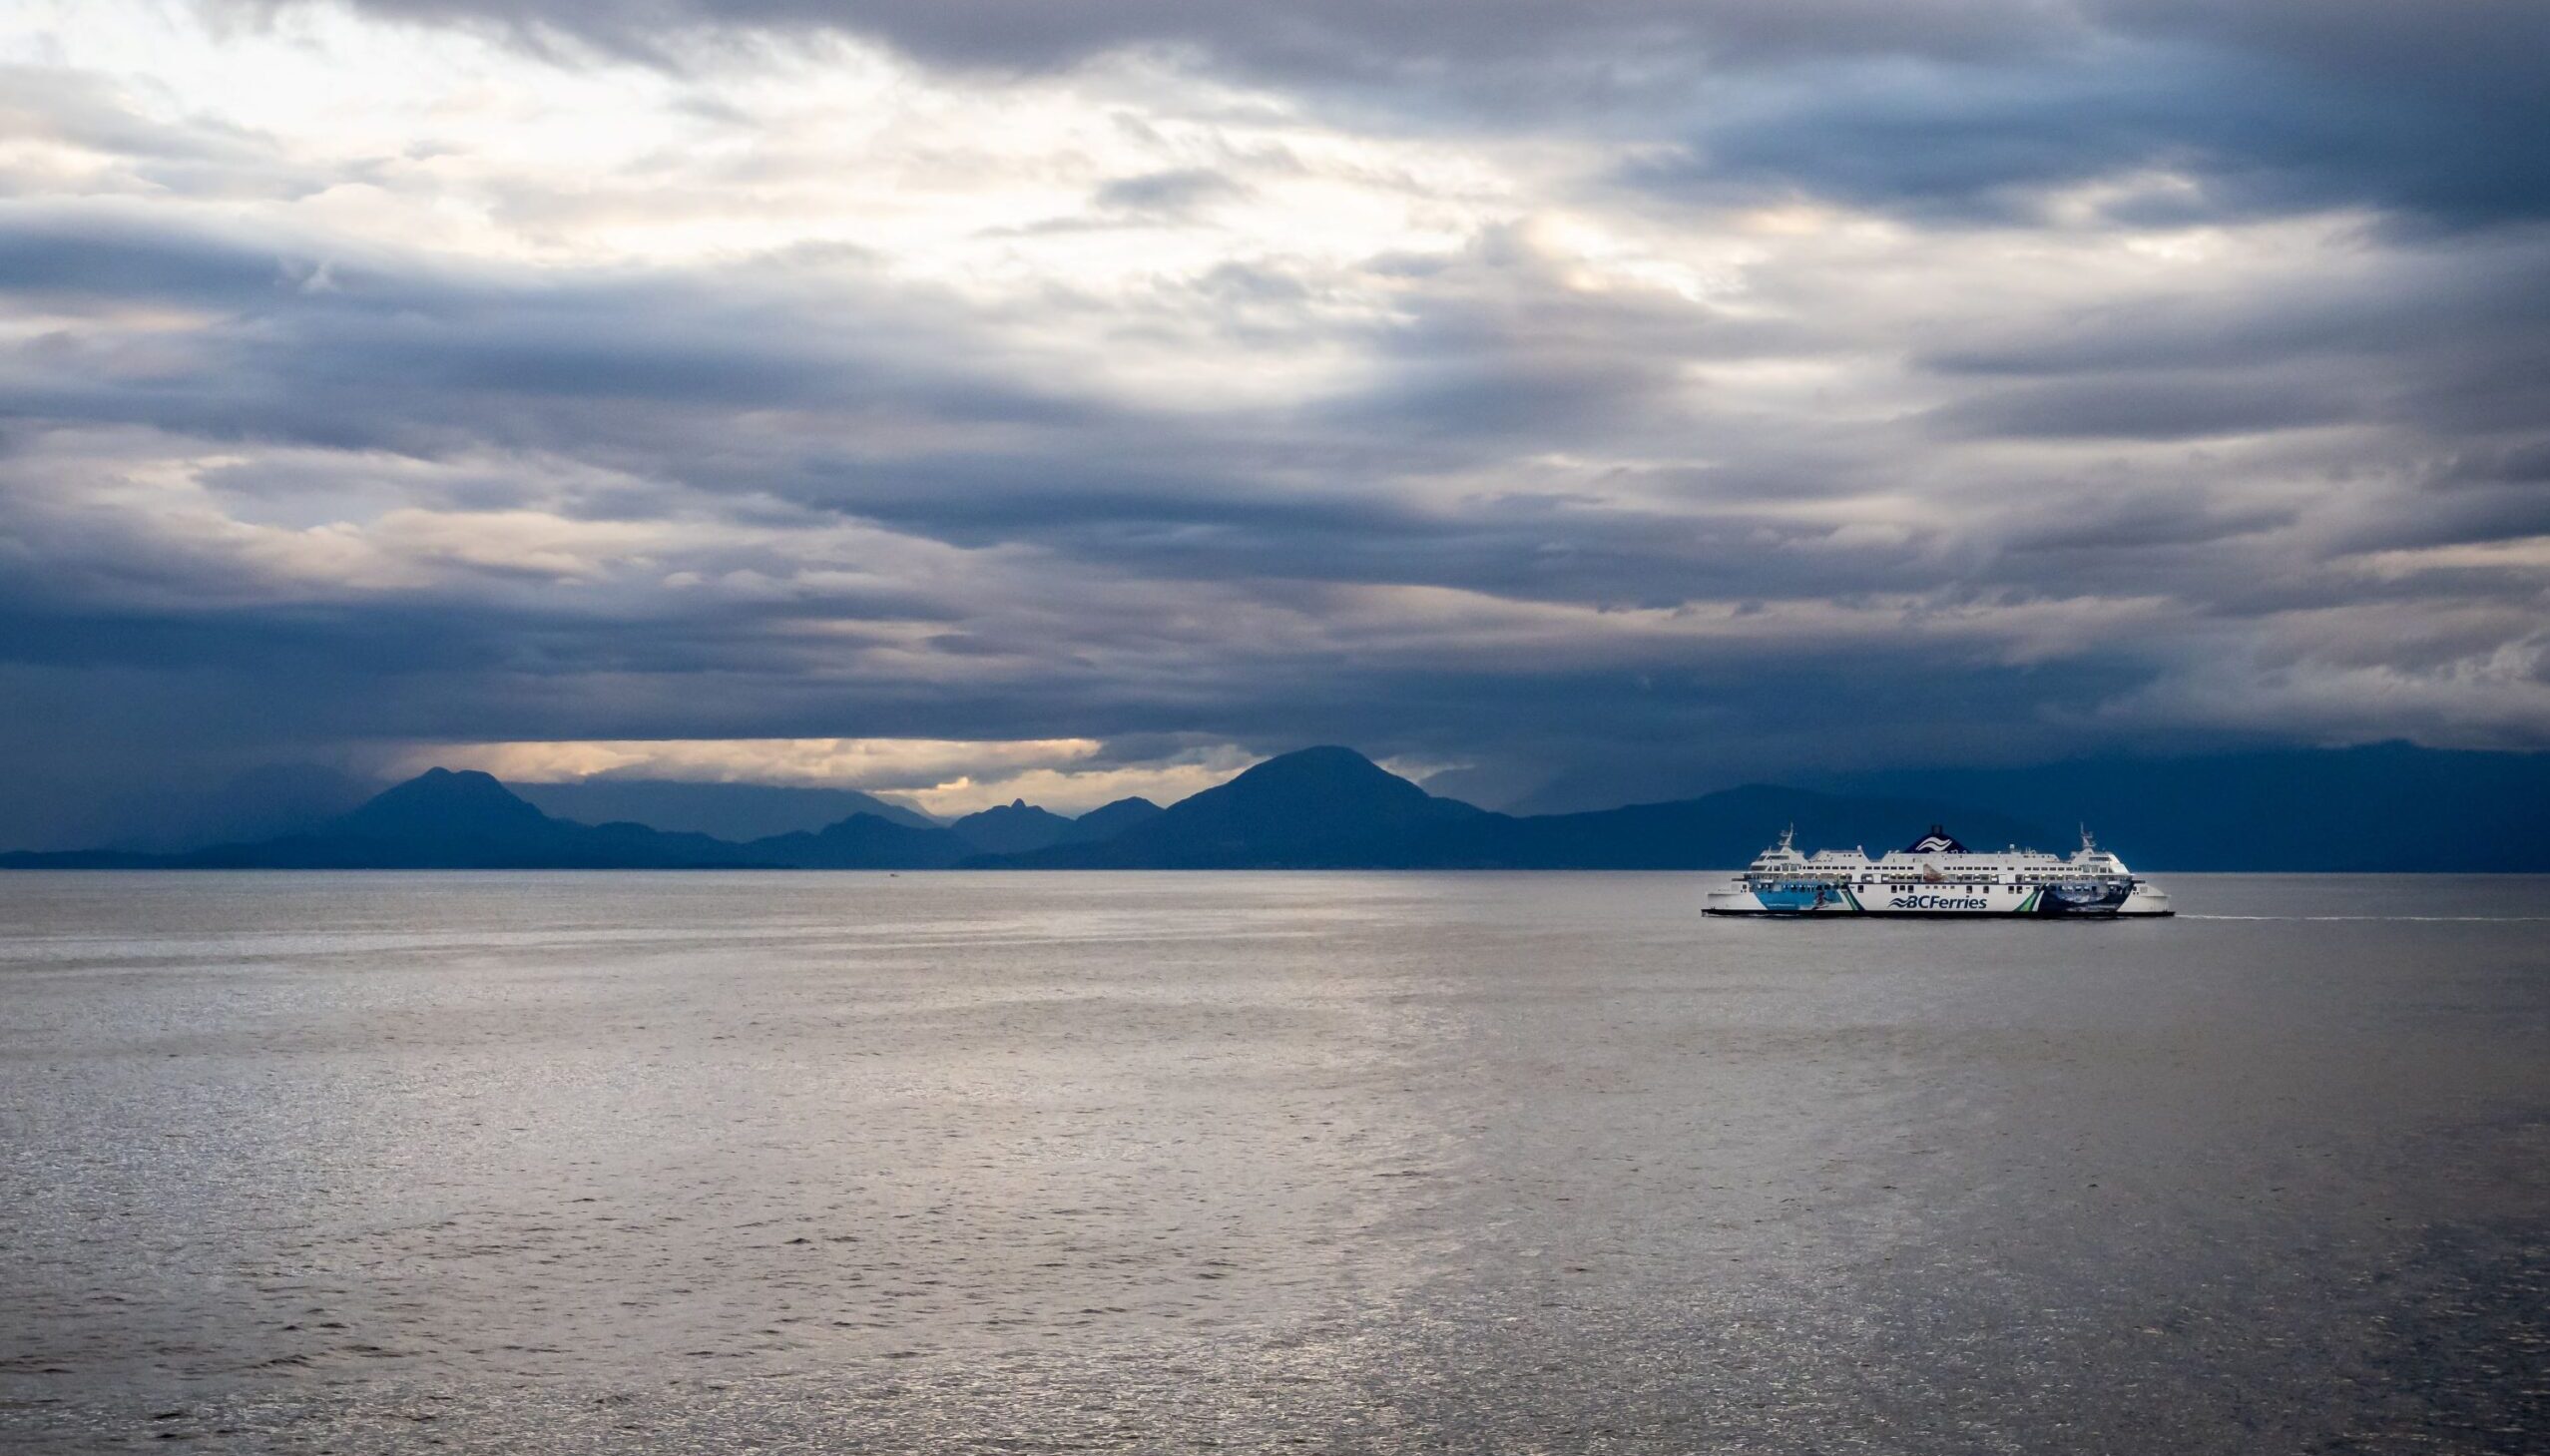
(1364, 1162)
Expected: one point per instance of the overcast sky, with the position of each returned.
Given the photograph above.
(1577, 400)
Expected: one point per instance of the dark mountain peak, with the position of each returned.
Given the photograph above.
(1132, 803)
(862, 841)
(1015, 810)
(1323, 758)
(1327, 772)
(450, 782)
(1338, 785)
(463, 819)
(1324, 805)
(441, 800)
(1132, 810)
(1109, 819)
(865, 825)
(1012, 828)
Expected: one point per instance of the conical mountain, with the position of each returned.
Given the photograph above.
(441, 802)
(1111, 819)
(1012, 828)
(463, 819)
(1316, 793)
(1315, 808)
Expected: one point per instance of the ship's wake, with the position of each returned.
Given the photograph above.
(2488, 919)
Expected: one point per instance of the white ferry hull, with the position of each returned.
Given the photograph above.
(1938, 878)
(1926, 903)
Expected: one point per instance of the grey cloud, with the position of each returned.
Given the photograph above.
(648, 377)
(1967, 107)
(1171, 193)
(422, 362)
(2166, 406)
(2525, 462)
(2133, 525)
(2256, 130)
(106, 255)
(198, 156)
(2455, 514)
(1302, 39)
(647, 373)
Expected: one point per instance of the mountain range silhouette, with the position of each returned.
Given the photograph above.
(1333, 808)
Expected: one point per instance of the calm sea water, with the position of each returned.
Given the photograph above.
(1345, 1162)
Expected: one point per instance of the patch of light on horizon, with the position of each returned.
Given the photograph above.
(1075, 792)
(901, 763)
(947, 777)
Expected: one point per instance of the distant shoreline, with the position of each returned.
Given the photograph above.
(8, 868)
(2387, 810)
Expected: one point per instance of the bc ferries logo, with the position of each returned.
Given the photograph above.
(1938, 841)
(1935, 902)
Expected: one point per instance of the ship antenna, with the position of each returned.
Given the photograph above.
(1786, 835)
(2087, 843)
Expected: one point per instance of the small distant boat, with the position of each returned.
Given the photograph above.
(1937, 877)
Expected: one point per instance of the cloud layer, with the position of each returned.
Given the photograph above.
(1605, 400)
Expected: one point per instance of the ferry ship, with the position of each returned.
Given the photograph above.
(1937, 877)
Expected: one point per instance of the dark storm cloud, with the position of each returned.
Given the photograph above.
(1297, 40)
(2442, 351)
(2438, 140)
(2443, 102)
(650, 372)
(2434, 111)
(79, 260)
(2166, 406)
(317, 348)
